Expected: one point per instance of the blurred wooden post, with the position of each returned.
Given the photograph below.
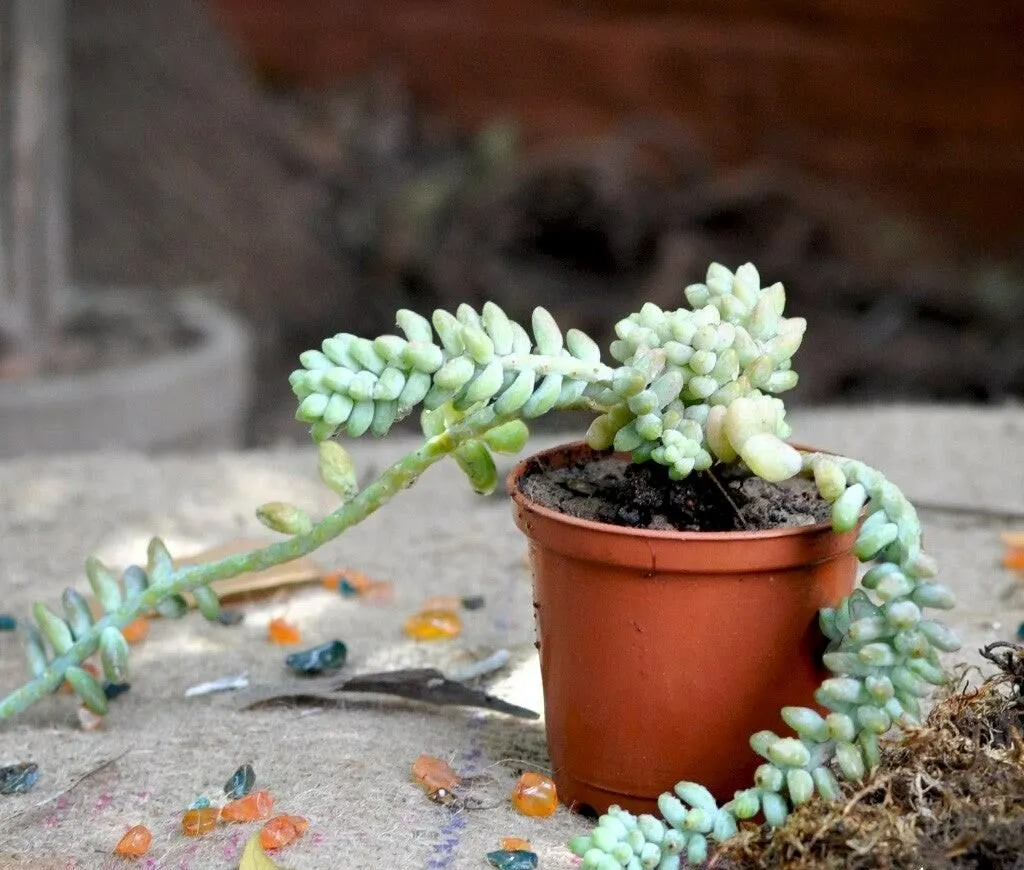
(33, 170)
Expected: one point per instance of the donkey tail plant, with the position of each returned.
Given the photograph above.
(686, 389)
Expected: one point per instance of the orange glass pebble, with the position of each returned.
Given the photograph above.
(283, 633)
(300, 824)
(136, 630)
(279, 831)
(434, 773)
(256, 805)
(515, 844)
(135, 843)
(433, 625)
(199, 821)
(535, 795)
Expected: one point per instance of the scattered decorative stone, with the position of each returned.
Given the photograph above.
(136, 630)
(199, 821)
(283, 633)
(18, 778)
(87, 720)
(494, 662)
(1020, 631)
(279, 831)
(433, 625)
(114, 690)
(230, 616)
(535, 795)
(515, 844)
(8, 622)
(434, 773)
(326, 657)
(200, 803)
(473, 602)
(241, 783)
(256, 805)
(224, 684)
(135, 843)
(513, 859)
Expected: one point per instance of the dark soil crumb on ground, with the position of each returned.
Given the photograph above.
(611, 490)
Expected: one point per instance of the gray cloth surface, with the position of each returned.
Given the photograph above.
(348, 769)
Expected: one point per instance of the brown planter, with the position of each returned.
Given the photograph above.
(662, 652)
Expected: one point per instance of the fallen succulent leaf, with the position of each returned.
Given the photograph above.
(254, 858)
(224, 684)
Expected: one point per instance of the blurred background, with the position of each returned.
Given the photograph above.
(310, 167)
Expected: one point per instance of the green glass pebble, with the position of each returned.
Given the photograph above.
(241, 783)
(18, 778)
(200, 803)
(325, 657)
(504, 859)
(112, 690)
(8, 622)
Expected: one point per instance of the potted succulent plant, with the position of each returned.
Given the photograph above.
(690, 637)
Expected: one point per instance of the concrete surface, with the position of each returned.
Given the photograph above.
(347, 768)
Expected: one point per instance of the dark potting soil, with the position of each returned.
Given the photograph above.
(610, 490)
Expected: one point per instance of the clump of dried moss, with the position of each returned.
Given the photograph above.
(947, 795)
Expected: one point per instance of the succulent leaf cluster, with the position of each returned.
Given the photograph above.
(53, 635)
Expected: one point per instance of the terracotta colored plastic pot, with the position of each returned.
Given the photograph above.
(662, 652)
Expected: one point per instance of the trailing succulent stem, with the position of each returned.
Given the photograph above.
(689, 388)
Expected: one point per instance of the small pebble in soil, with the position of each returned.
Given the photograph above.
(326, 657)
(18, 778)
(1020, 631)
(8, 622)
(230, 617)
(473, 602)
(535, 795)
(241, 783)
(515, 844)
(200, 803)
(135, 843)
(512, 859)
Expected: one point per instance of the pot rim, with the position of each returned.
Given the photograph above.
(519, 497)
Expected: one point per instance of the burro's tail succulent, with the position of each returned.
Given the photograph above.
(687, 389)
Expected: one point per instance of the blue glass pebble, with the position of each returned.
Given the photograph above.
(347, 589)
(200, 803)
(112, 690)
(506, 860)
(326, 657)
(8, 622)
(1020, 631)
(229, 616)
(18, 778)
(241, 783)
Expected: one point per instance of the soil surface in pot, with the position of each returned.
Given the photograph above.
(610, 490)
